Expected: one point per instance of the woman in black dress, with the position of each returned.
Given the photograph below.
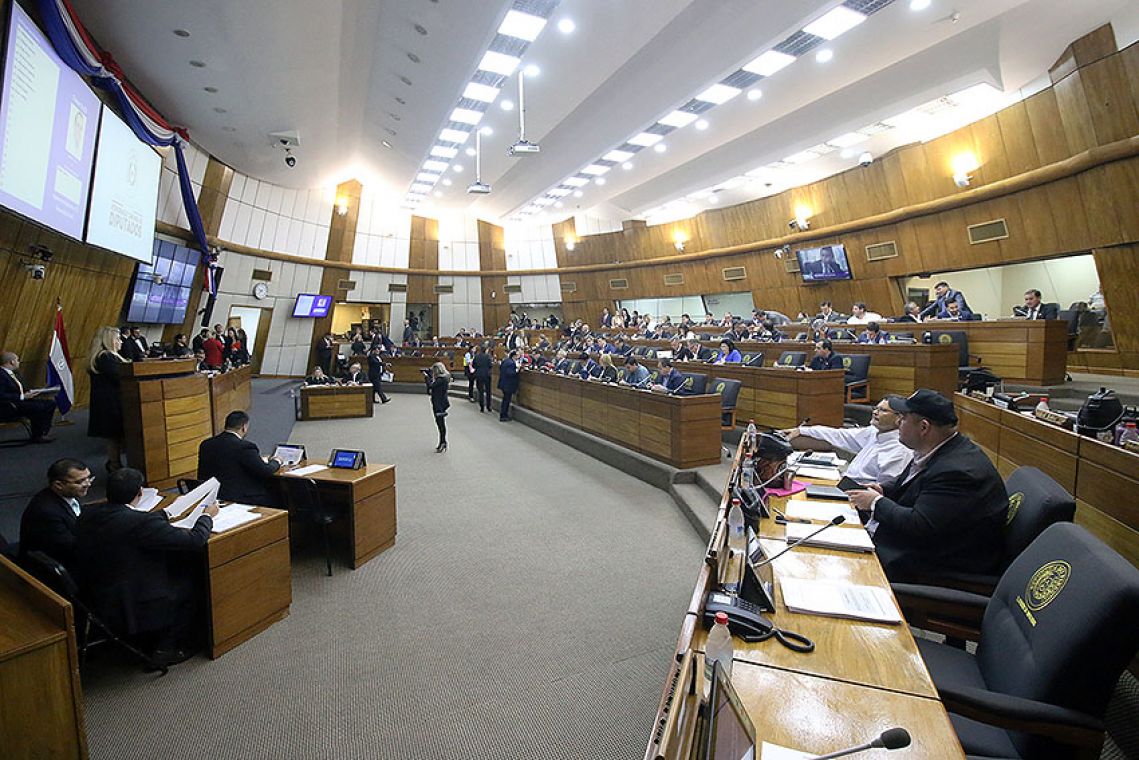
(106, 414)
(438, 380)
(376, 371)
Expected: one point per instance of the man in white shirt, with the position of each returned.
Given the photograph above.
(860, 316)
(880, 456)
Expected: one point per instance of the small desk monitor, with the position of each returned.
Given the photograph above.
(729, 732)
(346, 459)
(289, 453)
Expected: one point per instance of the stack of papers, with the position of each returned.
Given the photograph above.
(232, 515)
(769, 751)
(818, 473)
(845, 600)
(822, 458)
(821, 511)
(309, 470)
(200, 498)
(150, 499)
(851, 539)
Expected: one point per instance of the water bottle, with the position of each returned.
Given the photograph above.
(718, 648)
(1042, 405)
(737, 541)
(1130, 433)
(752, 435)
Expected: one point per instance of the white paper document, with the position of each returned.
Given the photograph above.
(150, 499)
(845, 600)
(823, 456)
(821, 511)
(852, 539)
(818, 473)
(200, 498)
(233, 515)
(309, 470)
(769, 751)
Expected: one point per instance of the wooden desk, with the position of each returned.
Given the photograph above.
(406, 369)
(778, 397)
(682, 431)
(166, 414)
(328, 402)
(367, 497)
(42, 714)
(1032, 352)
(229, 392)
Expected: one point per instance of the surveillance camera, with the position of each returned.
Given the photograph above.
(290, 159)
(778, 253)
(793, 224)
(865, 159)
(37, 271)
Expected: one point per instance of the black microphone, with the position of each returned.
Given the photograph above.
(893, 738)
(836, 520)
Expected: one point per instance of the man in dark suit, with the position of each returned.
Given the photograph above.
(1033, 309)
(481, 363)
(135, 346)
(671, 379)
(132, 576)
(23, 401)
(408, 333)
(355, 375)
(48, 524)
(946, 512)
(825, 357)
(939, 308)
(828, 314)
(200, 339)
(507, 383)
(912, 313)
(237, 464)
(324, 352)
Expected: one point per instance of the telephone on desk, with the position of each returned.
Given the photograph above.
(745, 619)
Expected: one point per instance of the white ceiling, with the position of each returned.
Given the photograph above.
(331, 71)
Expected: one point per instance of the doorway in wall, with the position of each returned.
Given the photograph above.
(255, 320)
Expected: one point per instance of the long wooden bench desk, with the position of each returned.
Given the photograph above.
(779, 397)
(328, 402)
(1030, 352)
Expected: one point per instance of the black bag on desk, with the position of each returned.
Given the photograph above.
(980, 379)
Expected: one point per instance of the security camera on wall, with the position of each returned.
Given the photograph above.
(290, 159)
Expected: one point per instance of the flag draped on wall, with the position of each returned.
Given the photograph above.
(78, 50)
(59, 365)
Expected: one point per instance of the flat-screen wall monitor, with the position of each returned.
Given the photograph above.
(124, 193)
(162, 287)
(48, 121)
(823, 264)
(312, 305)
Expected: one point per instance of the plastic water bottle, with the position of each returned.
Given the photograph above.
(737, 541)
(718, 648)
(752, 435)
(1042, 405)
(1130, 433)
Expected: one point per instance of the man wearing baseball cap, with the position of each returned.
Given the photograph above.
(946, 512)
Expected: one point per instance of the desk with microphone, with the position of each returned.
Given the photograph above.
(890, 739)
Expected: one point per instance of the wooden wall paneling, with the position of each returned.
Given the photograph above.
(914, 164)
(341, 244)
(1122, 179)
(1130, 58)
(1118, 273)
(1075, 114)
(1066, 207)
(1094, 45)
(1104, 227)
(1047, 127)
(990, 151)
(1017, 143)
(1113, 110)
(1040, 233)
(492, 256)
(423, 254)
(562, 231)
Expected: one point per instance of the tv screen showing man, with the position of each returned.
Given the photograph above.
(822, 264)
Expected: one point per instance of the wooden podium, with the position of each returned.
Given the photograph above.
(166, 414)
(229, 392)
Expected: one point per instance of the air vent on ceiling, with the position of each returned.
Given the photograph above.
(986, 232)
(621, 284)
(569, 287)
(438, 289)
(512, 288)
(734, 273)
(791, 263)
(262, 274)
(397, 287)
(879, 251)
(674, 279)
(345, 284)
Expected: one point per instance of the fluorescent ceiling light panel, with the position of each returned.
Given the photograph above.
(483, 92)
(435, 166)
(466, 116)
(645, 139)
(454, 136)
(543, 202)
(522, 25)
(443, 151)
(560, 192)
(617, 156)
(769, 63)
(718, 94)
(850, 138)
(576, 182)
(801, 157)
(499, 63)
(679, 119)
(835, 23)
(425, 177)
(595, 169)
(421, 188)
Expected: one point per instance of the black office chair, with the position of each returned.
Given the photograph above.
(56, 577)
(753, 359)
(857, 378)
(960, 338)
(791, 359)
(9, 413)
(729, 391)
(302, 498)
(1072, 318)
(695, 383)
(574, 367)
(654, 376)
(705, 354)
(901, 337)
(185, 485)
(800, 336)
(1053, 641)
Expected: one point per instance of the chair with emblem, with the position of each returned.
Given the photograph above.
(729, 391)
(1052, 642)
(791, 359)
(966, 362)
(695, 384)
(857, 378)
(752, 359)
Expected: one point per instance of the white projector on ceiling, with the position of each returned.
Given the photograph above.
(478, 188)
(524, 148)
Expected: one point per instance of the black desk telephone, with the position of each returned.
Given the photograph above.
(745, 619)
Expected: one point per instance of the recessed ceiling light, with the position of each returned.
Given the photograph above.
(678, 119)
(426, 177)
(660, 147)
(522, 25)
(506, 105)
(702, 124)
(486, 131)
(754, 94)
(457, 168)
(718, 94)
(198, 64)
(498, 63)
(443, 151)
(421, 188)
(566, 26)
(577, 193)
(576, 182)
(617, 155)
(595, 169)
(532, 70)
(645, 139)
(413, 57)
(211, 90)
(454, 136)
(405, 80)
(219, 109)
(386, 144)
(599, 181)
(466, 116)
(834, 23)
(447, 182)
(559, 192)
(181, 33)
(559, 204)
(848, 153)
(848, 139)
(421, 29)
(470, 151)
(435, 166)
(824, 55)
(483, 92)
(801, 157)
(919, 5)
(627, 165)
(712, 200)
(770, 62)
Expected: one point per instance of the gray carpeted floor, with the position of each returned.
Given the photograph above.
(528, 609)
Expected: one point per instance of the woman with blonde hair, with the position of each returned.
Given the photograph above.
(608, 370)
(438, 379)
(105, 418)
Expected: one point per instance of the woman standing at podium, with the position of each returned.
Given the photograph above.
(438, 381)
(105, 419)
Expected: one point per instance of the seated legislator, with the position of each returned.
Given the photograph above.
(588, 366)
(23, 400)
(319, 378)
(911, 313)
(608, 370)
(561, 362)
(728, 354)
(825, 357)
(635, 374)
(946, 512)
(939, 307)
(874, 334)
(860, 316)
(355, 375)
(671, 379)
(681, 351)
(1033, 309)
(200, 358)
(879, 457)
(237, 464)
(131, 575)
(49, 522)
(956, 313)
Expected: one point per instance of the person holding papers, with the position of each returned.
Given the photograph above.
(946, 511)
(635, 374)
(880, 456)
(237, 464)
(130, 575)
(671, 379)
(32, 403)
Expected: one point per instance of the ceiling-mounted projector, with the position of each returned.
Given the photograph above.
(478, 188)
(524, 148)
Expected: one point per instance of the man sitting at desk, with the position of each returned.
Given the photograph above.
(319, 378)
(1033, 309)
(25, 401)
(946, 511)
(874, 334)
(130, 575)
(939, 308)
(671, 379)
(825, 357)
(635, 374)
(49, 522)
(880, 456)
(355, 375)
(237, 464)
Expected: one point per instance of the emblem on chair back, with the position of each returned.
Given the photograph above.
(1014, 501)
(787, 359)
(720, 388)
(846, 362)
(688, 381)
(945, 338)
(1043, 587)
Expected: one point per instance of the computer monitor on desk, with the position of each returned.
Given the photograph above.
(289, 454)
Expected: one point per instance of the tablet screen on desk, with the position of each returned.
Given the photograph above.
(346, 459)
(289, 453)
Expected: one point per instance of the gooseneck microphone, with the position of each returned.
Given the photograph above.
(893, 738)
(836, 520)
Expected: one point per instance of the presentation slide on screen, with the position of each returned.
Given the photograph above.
(48, 121)
(124, 196)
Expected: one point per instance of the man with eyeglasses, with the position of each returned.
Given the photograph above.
(879, 457)
(49, 521)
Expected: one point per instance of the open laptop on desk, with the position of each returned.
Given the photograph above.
(289, 454)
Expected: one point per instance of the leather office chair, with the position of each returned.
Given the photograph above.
(901, 337)
(791, 359)
(705, 354)
(964, 359)
(753, 360)
(857, 378)
(695, 383)
(302, 498)
(1072, 318)
(729, 391)
(1053, 641)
